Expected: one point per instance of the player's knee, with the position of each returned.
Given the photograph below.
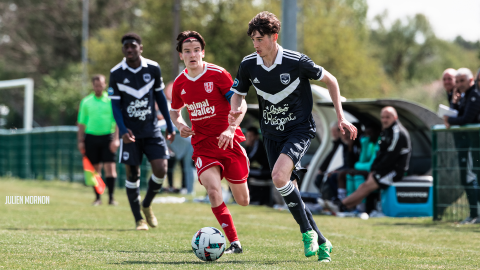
(160, 172)
(214, 194)
(279, 179)
(244, 201)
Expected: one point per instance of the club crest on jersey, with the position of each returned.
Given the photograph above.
(209, 87)
(147, 77)
(285, 78)
(110, 91)
(235, 83)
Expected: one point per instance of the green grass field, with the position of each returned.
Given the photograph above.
(69, 233)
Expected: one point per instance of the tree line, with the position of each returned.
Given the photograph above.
(42, 40)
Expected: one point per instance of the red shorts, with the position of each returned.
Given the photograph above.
(233, 162)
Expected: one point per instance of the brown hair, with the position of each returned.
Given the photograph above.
(266, 23)
(189, 34)
(97, 77)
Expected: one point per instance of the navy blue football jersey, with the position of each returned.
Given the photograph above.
(283, 90)
(135, 90)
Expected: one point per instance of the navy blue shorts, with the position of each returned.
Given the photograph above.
(295, 146)
(153, 148)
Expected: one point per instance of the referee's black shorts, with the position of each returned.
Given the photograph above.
(97, 148)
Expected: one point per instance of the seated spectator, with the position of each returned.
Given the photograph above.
(369, 145)
(259, 178)
(390, 164)
(351, 153)
(337, 141)
(468, 108)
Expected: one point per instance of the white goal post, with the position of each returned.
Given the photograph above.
(27, 83)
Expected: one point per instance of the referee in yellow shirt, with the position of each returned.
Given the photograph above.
(98, 134)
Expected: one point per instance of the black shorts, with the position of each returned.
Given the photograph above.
(385, 178)
(295, 146)
(153, 148)
(97, 148)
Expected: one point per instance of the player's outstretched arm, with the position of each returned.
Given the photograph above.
(334, 90)
(238, 108)
(177, 119)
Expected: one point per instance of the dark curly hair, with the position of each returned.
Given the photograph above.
(132, 36)
(266, 23)
(189, 34)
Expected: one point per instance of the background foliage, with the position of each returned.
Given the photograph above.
(42, 40)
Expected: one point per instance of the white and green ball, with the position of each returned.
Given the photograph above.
(208, 244)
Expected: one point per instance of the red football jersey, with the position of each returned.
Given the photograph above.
(205, 99)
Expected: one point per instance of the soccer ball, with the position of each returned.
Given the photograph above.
(208, 244)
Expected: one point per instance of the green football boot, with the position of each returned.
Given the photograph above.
(310, 243)
(324, 251)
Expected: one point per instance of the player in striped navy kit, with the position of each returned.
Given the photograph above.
(281, 80)
(135, 85)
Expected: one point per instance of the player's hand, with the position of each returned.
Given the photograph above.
(186, 132)
(170, 136)
(226, 138)
(81, 147)
(445, 121)
(233, 116)
(114, 145)
(345, 124)
(128, 137)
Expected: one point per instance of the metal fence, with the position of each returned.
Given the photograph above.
(49, 153)
(456, 166)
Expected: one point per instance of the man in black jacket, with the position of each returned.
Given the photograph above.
(390, 164)
(466, 142)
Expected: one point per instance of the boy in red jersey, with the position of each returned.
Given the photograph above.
(205, 89)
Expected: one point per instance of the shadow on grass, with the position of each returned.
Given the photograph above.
(204, 263)
(437, 225)
(65, 229)
(136, 251)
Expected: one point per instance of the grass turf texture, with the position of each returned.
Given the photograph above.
(70, 233)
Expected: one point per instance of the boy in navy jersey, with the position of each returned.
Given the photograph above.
(135, 85)
(281, 80)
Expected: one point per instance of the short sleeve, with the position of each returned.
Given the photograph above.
(310, 70)
(224, 82)
(241, 84)
(82, 114)
(158, 85)
(177, 101)
(113, 92)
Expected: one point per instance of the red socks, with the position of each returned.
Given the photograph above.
(225, 220)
